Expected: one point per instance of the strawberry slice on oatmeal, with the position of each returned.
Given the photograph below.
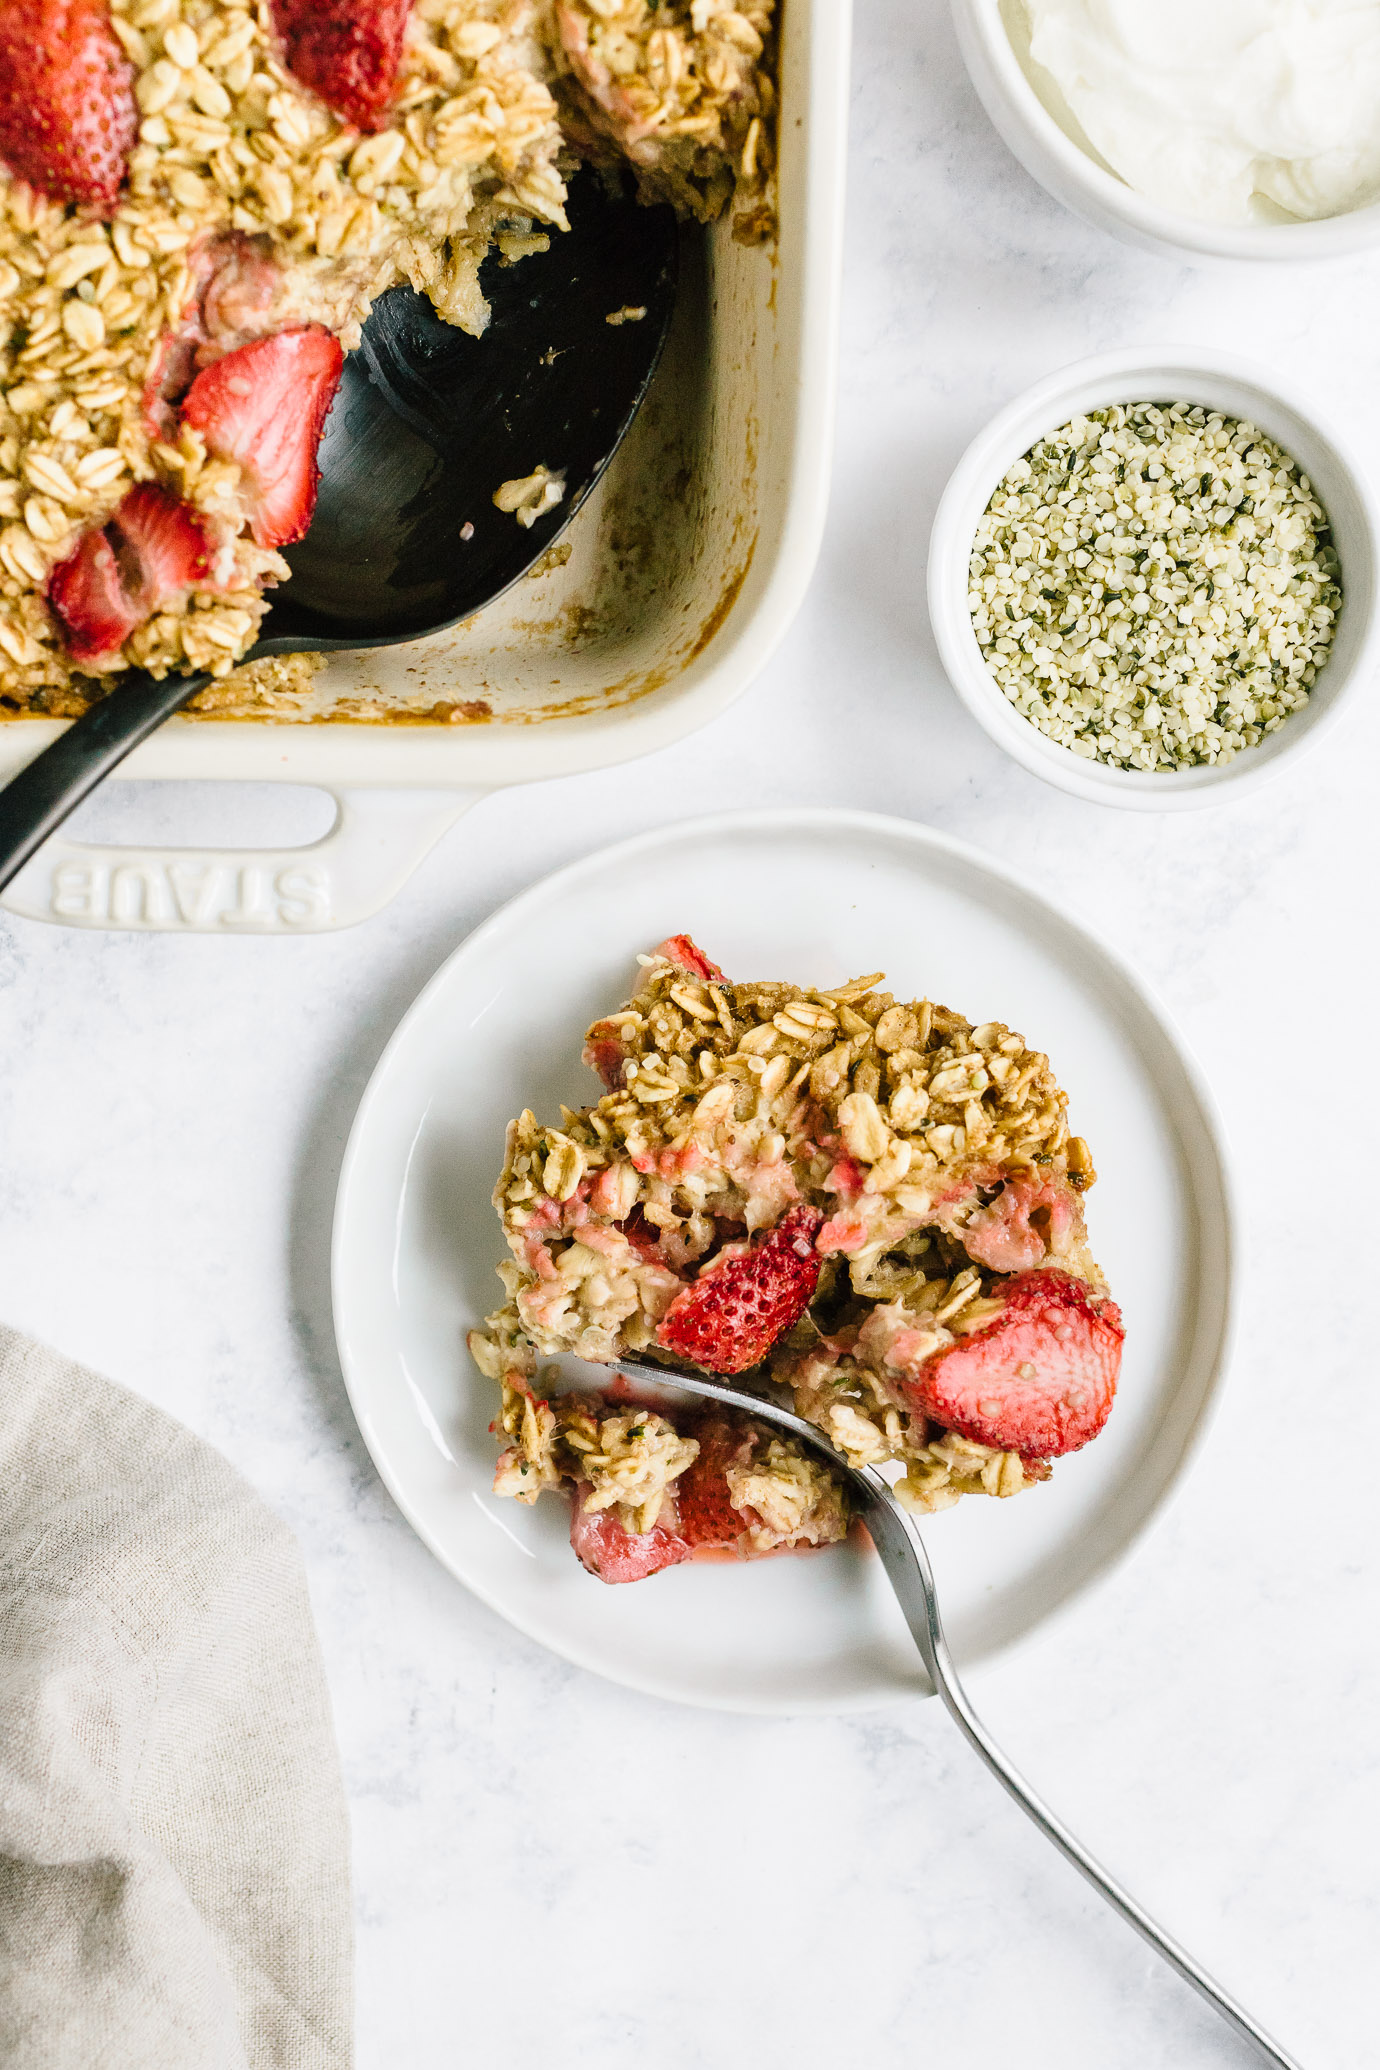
(68, 114)
(746, 1296)
(347, 51)
(873, 1202)
(154, 551)
(263, 408)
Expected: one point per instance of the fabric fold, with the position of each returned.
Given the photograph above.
(174, 1852)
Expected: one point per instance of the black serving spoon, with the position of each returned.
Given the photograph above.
(426, 425)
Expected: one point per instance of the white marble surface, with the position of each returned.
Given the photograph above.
(547, 1865)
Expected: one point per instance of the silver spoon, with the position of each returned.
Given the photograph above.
(907, 1565)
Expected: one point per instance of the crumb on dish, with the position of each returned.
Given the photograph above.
(529, 496)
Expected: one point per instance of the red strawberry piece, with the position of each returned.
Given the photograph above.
(847, 1178)
(707, 1514)
(162, 546)
(746, 1297)
(678, 948)
(264, 407)
(1038, 1380)
(644, 1237)
(88, 596)
(605, 1548)
(68, 118)
(605, 1052)
(172, 371)
(347, 51)
(154, 549)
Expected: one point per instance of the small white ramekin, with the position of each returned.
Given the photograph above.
(1049, 151)
(1165, 374)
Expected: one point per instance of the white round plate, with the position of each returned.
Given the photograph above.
(817, 897)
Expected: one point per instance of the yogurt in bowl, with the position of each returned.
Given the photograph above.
(1239, 129)
(1244, 111)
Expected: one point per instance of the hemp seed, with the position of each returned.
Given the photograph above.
(1155, 586)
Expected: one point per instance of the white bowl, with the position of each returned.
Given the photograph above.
(1164, 374)
(1044, 134)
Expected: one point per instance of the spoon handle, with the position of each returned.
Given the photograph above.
(902, 1553)
(908, 1568)
(36, 802)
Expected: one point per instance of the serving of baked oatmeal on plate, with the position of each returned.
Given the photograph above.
(872, 1203)
(826, 1181)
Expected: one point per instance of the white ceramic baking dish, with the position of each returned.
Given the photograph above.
(685, 568)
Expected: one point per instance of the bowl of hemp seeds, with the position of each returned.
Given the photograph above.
(1154, 576)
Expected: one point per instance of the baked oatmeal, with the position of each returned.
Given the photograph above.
(199, 202)
(684, 93)
(871, 1201)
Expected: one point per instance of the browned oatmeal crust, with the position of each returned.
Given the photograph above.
(684, 89)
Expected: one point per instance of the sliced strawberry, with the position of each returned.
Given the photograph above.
(264, 407)
(746, 1297)
(347, 51)
(1038, 1380)
(172, 370)
(679, 948)
(604, 1548)
(153, 550)
(88, 596)
(162, 546)
(606, 1053)
(707, 1514)
(644, 1237)
(68, 117)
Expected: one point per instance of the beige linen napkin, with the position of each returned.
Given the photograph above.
(174, 1881)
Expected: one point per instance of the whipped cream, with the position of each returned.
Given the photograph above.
(1234, 111)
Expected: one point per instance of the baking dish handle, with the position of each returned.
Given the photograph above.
(378, 839)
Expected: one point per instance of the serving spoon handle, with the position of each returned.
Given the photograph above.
(902, 1553)
(34, 803)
